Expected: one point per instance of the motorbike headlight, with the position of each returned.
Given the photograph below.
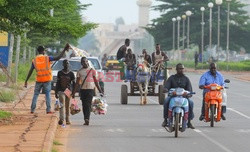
(213, 87)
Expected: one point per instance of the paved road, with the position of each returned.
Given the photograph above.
(138, 128)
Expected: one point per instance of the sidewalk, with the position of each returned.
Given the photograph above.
(28, 132)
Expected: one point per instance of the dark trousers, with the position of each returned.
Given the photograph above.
(86, 95)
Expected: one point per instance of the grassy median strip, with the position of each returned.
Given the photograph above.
(5, 114)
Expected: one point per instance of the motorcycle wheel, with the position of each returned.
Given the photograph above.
(176, 124)
(212, 110)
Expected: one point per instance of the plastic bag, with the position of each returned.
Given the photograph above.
(224, 97)
(67, 92)
(57, 105)
(74, 109)
(99, 106)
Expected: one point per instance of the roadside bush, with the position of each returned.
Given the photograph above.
(224, 66)
(5, 114)
(7, 96)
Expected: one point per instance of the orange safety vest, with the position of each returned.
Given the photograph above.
(43, 69)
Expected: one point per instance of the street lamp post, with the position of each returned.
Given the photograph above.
(218, 3)
(228, 21)
(202, 32)
(210, 5)
(183, 30)
(188, 13)
(173, 19)
(178, 36)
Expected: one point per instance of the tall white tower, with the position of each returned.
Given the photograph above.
(144, 6)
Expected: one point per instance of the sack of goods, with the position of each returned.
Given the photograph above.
(74, 109)
(99, 106)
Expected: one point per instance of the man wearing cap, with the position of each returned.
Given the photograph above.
(41, 63)
(179, 80)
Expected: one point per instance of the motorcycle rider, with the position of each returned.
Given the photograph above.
(209, 77)
(179, 80)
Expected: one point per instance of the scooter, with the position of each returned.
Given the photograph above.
(213, 102)
(178, 110)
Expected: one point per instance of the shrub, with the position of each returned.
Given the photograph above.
(5, 114)
(7, 96)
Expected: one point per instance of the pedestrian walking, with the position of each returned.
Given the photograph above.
(41, 63)
(196, 59)
(86, 79)
(64, 85)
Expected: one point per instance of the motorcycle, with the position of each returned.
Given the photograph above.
(214, 101)
(178, 110)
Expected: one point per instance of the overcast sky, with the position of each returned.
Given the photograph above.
(106, 11)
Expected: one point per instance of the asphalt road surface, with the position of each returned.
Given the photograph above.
(133, 127)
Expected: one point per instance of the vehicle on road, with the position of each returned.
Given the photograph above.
(213, 102)
(112, 63)
(155, 78)
(75, 65)
(178, 110)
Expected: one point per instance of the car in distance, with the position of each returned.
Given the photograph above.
(75, 65)
(112, 63)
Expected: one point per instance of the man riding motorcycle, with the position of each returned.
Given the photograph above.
(209, 77)
(179, 80)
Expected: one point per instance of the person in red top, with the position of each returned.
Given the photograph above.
(41, 64)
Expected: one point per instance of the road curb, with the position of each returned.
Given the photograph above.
(50, 135)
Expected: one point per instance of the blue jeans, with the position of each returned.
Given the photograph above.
(130, 74)
(190, 108)
(46, 88)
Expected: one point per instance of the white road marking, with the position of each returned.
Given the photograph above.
(239, 113)
(158, 130)
(213, 141)
(115, 130)
(243, 130)
(239, 94)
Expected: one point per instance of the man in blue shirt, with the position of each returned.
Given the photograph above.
(209, 77)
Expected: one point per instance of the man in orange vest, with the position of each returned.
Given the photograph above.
(43, 76)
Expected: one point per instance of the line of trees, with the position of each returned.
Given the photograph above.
(30, 23)
(162, 27)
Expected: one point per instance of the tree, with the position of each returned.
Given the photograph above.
(16, 17)
(162, 27)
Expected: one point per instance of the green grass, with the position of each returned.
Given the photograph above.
(7, 96)
(54, 150)
(5, 114)
(23, 71)
(56, 143)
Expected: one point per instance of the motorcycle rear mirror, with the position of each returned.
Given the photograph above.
(227, 81)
